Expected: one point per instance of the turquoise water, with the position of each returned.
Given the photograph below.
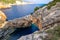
(18, 12)
(23, 31)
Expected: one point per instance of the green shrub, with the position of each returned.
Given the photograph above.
(50, 4)
(36, 9)
(8, 1)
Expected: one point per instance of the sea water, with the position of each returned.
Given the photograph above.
(23, 32)
(18, 11)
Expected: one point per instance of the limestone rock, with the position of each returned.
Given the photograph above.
(48, 17)
(2, 18)
(5, 32)
(34, 36)
(20, 23)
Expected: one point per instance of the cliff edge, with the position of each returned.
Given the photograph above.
(43, 18)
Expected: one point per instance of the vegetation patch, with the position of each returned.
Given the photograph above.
(50, 4)
(8, 1)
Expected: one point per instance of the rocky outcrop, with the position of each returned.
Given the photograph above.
(53, 16)
(4, 6)
(43, 17)
(20, 23)
(5, 32)
(11, 25)
(50, 16)
(2, 18)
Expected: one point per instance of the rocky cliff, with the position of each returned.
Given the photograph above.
(46, 17)
(50, 21)
(10, 26)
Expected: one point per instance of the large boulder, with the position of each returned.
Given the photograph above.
(2, 18)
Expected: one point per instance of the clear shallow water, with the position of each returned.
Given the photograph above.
(21, 11)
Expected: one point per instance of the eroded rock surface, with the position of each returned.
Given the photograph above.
(34, 36)
(43, 15)
(11, 25)
(50, 18)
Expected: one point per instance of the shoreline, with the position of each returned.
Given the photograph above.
(24, 17)
(5, 6)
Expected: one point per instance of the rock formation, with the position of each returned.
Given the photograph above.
(2, 18)
(42, 18)
(50, 18)
(11, 25)
(4, 6)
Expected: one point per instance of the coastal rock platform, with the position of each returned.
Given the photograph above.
(48, 18)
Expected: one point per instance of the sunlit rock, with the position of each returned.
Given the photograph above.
(2, 18)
